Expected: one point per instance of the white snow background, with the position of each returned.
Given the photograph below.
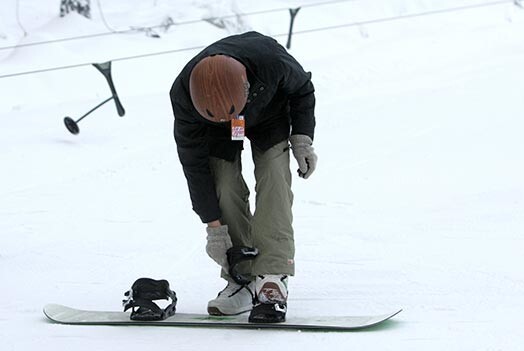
(417, 201)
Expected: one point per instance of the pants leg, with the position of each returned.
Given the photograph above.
(271, 225)
(233, 199)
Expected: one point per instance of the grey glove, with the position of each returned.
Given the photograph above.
(304, 153)
(218, 242)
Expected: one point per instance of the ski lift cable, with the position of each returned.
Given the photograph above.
(396, 18)
(113, 31)
(305, 31)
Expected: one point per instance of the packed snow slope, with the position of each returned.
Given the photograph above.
(417, 201)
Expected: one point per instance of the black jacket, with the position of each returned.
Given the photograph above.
(281, 101)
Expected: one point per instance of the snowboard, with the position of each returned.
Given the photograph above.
(67, 315)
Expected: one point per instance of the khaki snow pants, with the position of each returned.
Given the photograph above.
(269, 228)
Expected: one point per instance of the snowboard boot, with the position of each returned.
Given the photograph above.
(271, 299)
(234, 299)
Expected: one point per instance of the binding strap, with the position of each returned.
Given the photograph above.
(140, 299)
(236, 255)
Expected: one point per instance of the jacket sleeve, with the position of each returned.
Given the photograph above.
(190, 137)
(297, 85)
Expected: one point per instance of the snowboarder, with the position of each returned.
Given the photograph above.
(246, 85)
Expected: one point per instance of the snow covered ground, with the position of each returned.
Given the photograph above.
(417, 202)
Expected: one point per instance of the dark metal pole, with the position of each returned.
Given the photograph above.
(293, 13)
(105, 69)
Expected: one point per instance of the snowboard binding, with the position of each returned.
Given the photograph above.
(268, 313)
(140, 299)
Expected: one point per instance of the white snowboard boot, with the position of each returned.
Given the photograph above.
(234, 299)
(271, 299)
